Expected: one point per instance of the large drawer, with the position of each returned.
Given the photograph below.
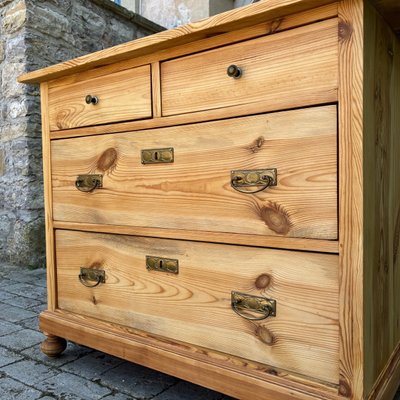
(121, 96)
(194, 306)
(195, 192)
(284, 70)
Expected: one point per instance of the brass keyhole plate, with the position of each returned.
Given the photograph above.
(158, 156)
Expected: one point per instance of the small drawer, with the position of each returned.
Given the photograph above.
(188, 177)
(193, 304)
(121, 96)
(284, 70)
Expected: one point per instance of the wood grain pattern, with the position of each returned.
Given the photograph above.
(124, 95)
(219, 39)
(232, 20)
(287, 65)
(189, 363)
(275, 242)
(381, 194)
(351, 198)
(156, 89)
(194, 192)
(48, 201)
(201, 116)
(387, 384)
(190, 305)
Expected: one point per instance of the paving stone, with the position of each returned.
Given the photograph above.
(187, 390)
(22, 302)
(29, 372)
(137, 381)
(21, 340)
(71, 353)
(30, 323)
(65, 384)
(36, 277)
(8, 357)
(6, 295)
(117, 396)
(14, 314)
(8, 327)
(10, 389)
(27, 290)
(92, 365)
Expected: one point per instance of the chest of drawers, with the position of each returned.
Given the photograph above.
(223, 201)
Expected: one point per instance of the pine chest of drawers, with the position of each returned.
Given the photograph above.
(223, 201)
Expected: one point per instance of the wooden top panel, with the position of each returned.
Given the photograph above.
(218, 24)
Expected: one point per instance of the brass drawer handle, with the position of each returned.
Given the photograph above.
(91, 99)
(234, 71)
(260, 178)
(244, 304)
(90, 274)
(88, 183)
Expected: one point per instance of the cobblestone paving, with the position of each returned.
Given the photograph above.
(80, 373)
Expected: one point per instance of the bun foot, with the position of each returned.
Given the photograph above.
(53, 346)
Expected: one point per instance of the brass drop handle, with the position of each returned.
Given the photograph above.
(91, 99)
(90, 274)
(245, 305)
(261, 179)
(88, 183)
(234, 71)
(239, 179)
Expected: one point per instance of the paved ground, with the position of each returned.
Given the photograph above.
(80, 373)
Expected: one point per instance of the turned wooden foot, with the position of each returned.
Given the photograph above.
(53, 346)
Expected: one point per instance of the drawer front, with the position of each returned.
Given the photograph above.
(121, 96)
(194, 305)
(195, 192)
(283, 70)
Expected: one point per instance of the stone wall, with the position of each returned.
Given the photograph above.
(35, 34)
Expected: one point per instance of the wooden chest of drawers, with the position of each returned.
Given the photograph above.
(223, 201)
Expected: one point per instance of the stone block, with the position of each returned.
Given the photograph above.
(8, 357)
(29, 372)
(15, 18)
(65, 385)
(139, 382)
(12, 389)
(92, 365)
(2, 163)
(21, 339)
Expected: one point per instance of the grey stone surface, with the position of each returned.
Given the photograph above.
(36, 34)
(137, 381)
(65, 384)
(21, 340)
(29, 372)
(92, 365)
(8, 357)
(12, 389)
(186, 390)
(14, 314)
(6, 328)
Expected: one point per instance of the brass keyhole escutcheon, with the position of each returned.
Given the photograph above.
(162, 264)
(157, 156)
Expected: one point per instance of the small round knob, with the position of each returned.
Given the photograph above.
(91, 99)
(234, 71)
